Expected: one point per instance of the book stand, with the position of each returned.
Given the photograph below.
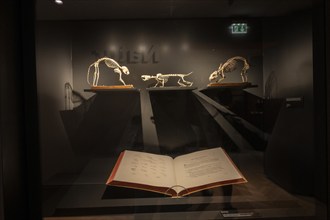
(173, 188)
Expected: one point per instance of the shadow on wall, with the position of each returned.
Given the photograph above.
(271, 86)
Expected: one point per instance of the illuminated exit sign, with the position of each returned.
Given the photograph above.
(239, 28)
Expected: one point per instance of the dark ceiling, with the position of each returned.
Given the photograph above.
(132, 9)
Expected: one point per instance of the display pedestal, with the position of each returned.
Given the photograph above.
(233, 97)
(172, 110)
(112, 121)
(243, 110)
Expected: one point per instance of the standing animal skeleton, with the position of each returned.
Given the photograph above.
(163, 78)
(230, 66)
(111, 64)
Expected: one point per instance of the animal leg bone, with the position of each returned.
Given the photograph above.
(156, 83)
(244, 77)
(187, 82)
(121, 80)
(117, 70)
(221, 77)
(181, 84)
(96, 74)
(163, 82)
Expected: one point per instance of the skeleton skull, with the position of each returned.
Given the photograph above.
(125, 70)
(145, 77)
(213, 75)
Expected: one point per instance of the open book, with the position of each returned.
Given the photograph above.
(177, 177)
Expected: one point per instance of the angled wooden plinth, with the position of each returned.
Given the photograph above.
(111, 88)
(242, 85)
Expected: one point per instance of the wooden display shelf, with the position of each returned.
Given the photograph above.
(231, 85)
(110, 88)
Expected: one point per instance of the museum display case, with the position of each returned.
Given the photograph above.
(233, 90)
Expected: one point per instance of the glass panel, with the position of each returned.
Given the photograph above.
(145, 85)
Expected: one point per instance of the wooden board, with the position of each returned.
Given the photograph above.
(112, 87)
(242, 84)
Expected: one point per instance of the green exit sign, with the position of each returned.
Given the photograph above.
(239, 28)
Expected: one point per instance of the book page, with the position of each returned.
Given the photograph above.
(204, 167)
(147, 169)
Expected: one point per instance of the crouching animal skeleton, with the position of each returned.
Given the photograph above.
(163, 78)
(230, 66)
(111, 64)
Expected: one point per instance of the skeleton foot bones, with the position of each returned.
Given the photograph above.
(109, 63)
(230, 66)
(161, 79)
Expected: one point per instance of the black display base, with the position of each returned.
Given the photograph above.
(172, 108)
(242, 85)
(171, 88)
(111, 120)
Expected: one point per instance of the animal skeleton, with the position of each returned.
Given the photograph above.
(230, 66)
(163, 78)
(111, 64)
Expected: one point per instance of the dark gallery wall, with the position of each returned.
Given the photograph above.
(288, 56)
(54, 69)
(66, 49)
(288, 75)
